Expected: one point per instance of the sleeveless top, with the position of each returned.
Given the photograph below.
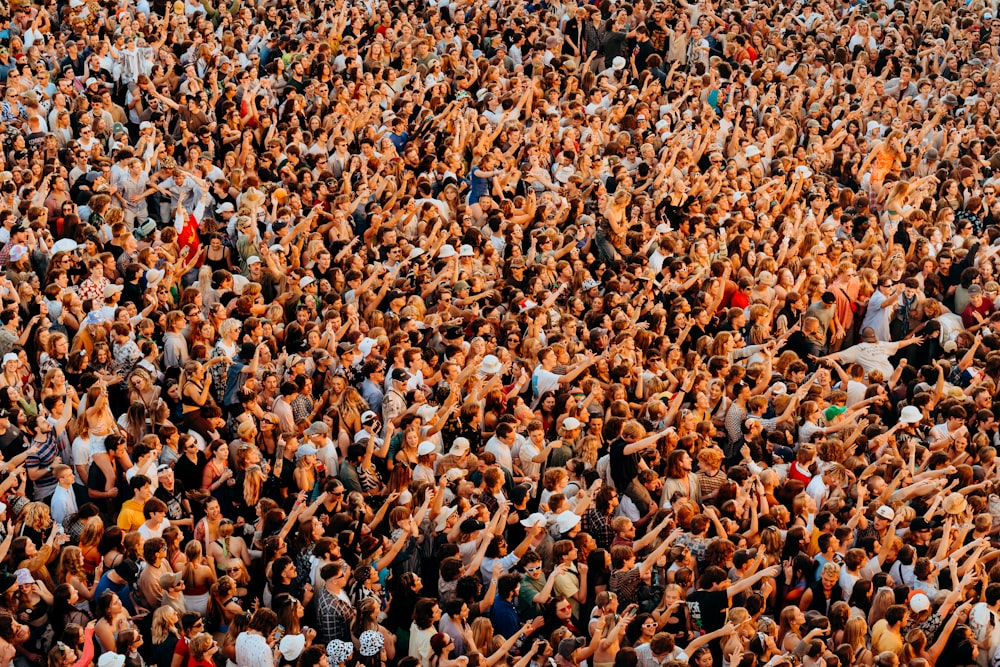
(188, 402)
(479, 186)
(217, 264)
(820, 602)
(225, 552)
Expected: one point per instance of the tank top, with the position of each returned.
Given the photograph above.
(217, 264)
(820, 602)
(188, 402)
(480, 185)
(225, 552)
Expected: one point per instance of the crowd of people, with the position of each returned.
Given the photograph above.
(521, 334)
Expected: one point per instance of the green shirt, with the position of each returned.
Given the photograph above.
(526, 608)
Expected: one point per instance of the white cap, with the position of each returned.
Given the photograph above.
(567, 520)
(460, 446)
(885, 512)
(490, 365)
(291, 647)
(426, 448)
(253, 259)
(305, 281)
(441, 521)
(111, 660)
(919, 602)
(65, 245)
(536, 519)
(10, 356)
(571, 423)
(305, 450)
(153, 276)
(910, 415)
(446, 251)
(366, 345)
(752, 150)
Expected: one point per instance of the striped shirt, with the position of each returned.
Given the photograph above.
(43, 459)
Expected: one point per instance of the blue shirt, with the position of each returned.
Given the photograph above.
(123, 591)
(373, 396)
(505, 619)
(399, 140)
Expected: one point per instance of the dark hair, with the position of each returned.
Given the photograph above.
(507, 585)
(311, 655)
(423, 612)
(263, 621)
(138, 482)
(104, 605)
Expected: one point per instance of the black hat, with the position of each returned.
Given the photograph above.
(829, 297)
(128, 571)
(918, 524)
(400, 375)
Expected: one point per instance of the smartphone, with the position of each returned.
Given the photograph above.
(279, 632)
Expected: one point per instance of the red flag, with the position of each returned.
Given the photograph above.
(188, 238)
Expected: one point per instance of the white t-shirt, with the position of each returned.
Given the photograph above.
(82, 456)
(149, 533)
(543, 381)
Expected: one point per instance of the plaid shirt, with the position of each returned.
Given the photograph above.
(598, 526)
(333, 618)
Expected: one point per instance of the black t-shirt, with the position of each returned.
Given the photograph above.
(12, 443)
(708, 608)
(187, 473)
(624, 467)
(173, 499)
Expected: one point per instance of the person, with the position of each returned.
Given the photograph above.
(253, 646)
(63, 501)
(131, 516)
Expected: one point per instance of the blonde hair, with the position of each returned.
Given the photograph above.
(229, 325)
(37, 515)
(161, 627)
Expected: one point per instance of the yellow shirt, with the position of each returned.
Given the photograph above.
(131, 516)
(884, 639)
